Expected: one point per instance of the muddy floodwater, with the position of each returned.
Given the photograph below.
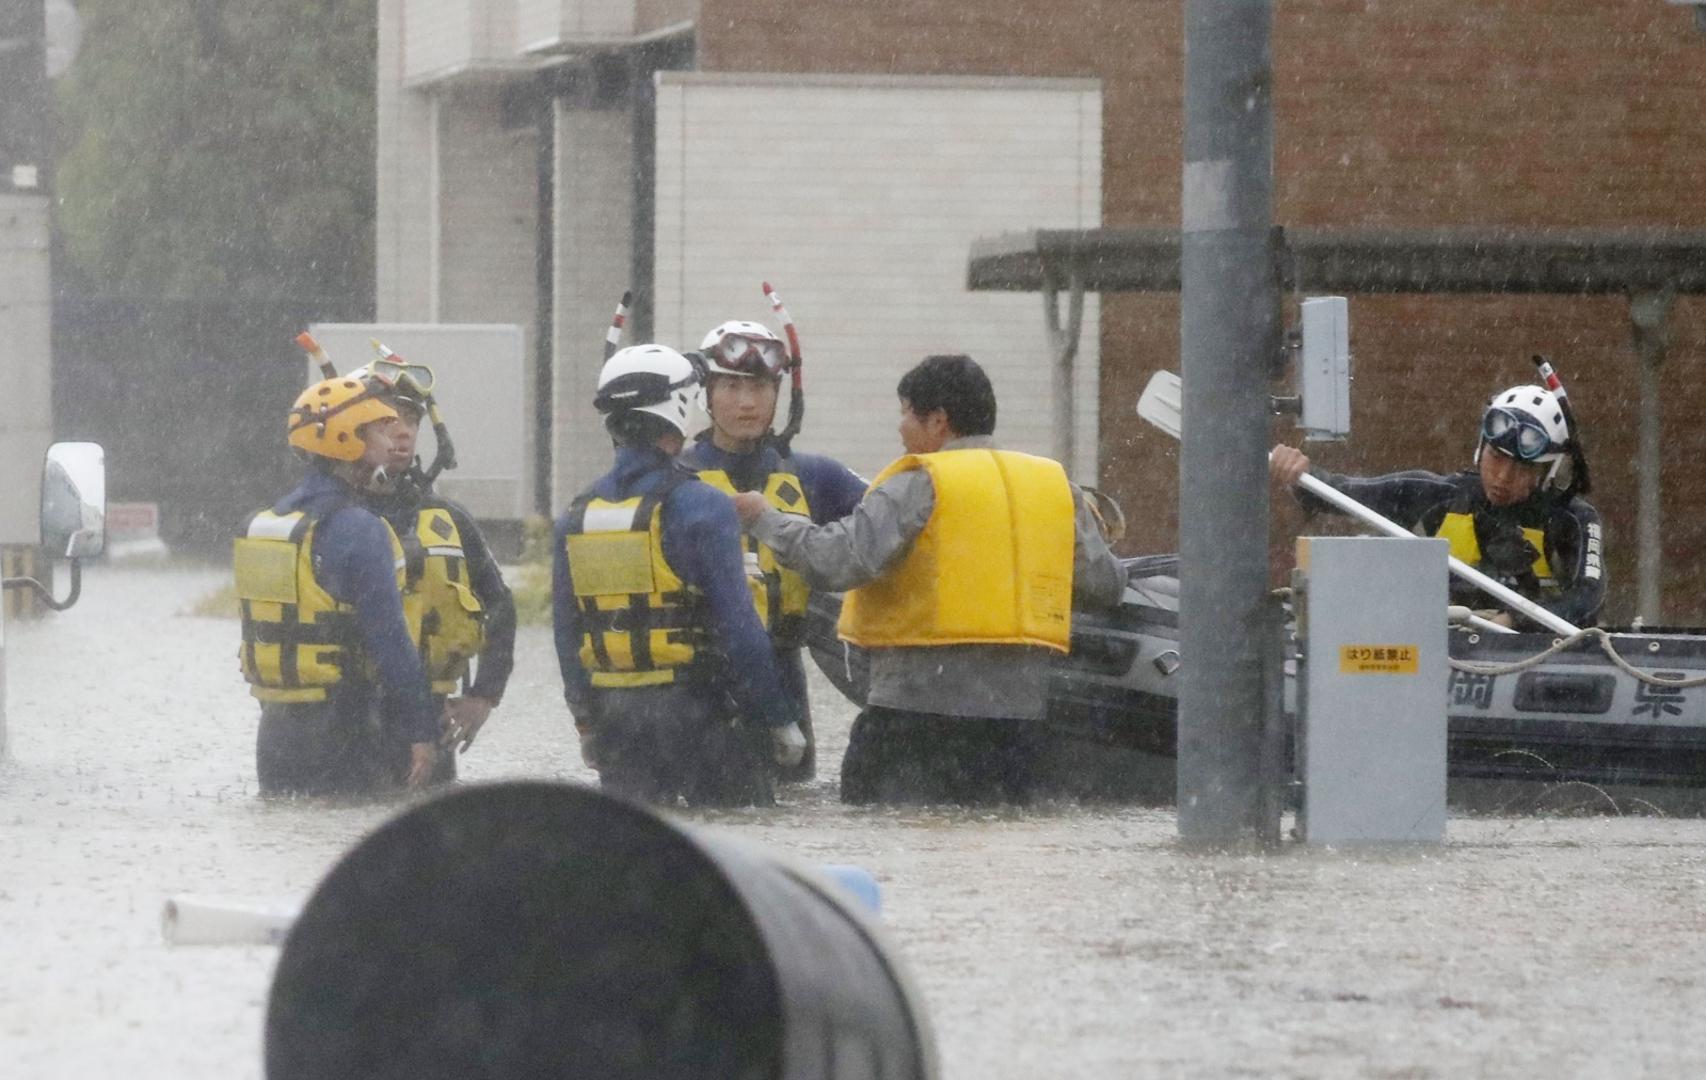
(1063, 941)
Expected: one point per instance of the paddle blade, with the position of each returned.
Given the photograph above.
(1162, 403)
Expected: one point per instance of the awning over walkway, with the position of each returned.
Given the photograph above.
(1492, 260)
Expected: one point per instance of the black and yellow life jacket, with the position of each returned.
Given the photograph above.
(1459, 529)
(780, 594)
(298, 642)
(640, 624)
(445, 617)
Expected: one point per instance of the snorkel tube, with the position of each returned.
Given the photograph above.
(306, 342)
(796, 395)
(1579, 483)
(613, 336)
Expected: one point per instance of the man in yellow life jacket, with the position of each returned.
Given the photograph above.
(1511, 516)
(453, 590)
(326, 647)
(666, 668)
(744, 363)
(964, 562)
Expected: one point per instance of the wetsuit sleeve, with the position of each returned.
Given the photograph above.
(566, 628)
(859, 547)
(1575, 537)
(353, 561)
(497, 657)
(1098, 579)
(833, 489)
(701, 541)
(1403, 496)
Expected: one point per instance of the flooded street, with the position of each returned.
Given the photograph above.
(1059, 942)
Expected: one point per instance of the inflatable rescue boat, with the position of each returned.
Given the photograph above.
(1578, 717)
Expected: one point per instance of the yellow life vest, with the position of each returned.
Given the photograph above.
(1460, 530)
(297, 640)
(444, 614)
(639, 622)
(992, 566)
(780, 594)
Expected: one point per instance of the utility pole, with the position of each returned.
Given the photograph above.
(1649, 319)
(26, 406)
(1229, 330)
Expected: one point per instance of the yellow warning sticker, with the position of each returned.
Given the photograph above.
(1377, 659)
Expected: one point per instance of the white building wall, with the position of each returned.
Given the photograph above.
(859, 198)
(543, 24)
(593, 266)
(438, 35)
(443, 36)
(404, 179)
(488, 224)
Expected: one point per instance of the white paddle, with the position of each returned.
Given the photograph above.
(1162, 405)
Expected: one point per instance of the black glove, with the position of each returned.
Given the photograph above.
(1507, 553)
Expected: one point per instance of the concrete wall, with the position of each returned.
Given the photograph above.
(405, 206)
(593, 260)
(858, 199)
(546, 23)
(443, 36)
(458, 223)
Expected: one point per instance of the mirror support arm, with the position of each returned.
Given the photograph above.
(45, 593)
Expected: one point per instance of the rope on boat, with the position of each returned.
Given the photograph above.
(1560, 644)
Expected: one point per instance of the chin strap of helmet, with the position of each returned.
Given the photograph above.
(1579, 483)
(796, 393)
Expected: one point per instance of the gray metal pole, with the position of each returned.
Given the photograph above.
(1229, 336)
(1063, 349)
(1649, 317)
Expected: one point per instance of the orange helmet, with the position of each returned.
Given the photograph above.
(327, 418)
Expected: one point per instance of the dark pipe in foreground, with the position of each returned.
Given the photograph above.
(535, 929)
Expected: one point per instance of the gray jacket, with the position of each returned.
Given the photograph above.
(951, 680)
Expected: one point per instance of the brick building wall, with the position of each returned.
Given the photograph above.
(1422, 113)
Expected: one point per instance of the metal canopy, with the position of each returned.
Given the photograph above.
(1470, 260)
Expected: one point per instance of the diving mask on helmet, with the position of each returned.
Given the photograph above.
(1516, 434)
(747, 355)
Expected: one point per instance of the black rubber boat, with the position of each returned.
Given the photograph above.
(1575, 719)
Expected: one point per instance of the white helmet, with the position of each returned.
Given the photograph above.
(651, 379)
(1526, 423)
(738, 347)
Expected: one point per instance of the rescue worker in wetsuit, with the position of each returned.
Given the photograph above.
(964, 562)
(453, 591)
(1507, 517)
(345, 706)
(666, 667)
(744, 364)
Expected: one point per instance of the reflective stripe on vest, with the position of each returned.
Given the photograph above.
(444, 614)
(992, 566)
(1459, 529)
(639, 622)
(779, 594)
(297, 640)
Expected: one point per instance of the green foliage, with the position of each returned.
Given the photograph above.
(222, 148)
(531, 586)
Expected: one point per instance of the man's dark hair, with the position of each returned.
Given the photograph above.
(637, 429)
(957, 386)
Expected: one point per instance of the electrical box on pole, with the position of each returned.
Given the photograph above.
(1324, 368)
(1372, 740)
